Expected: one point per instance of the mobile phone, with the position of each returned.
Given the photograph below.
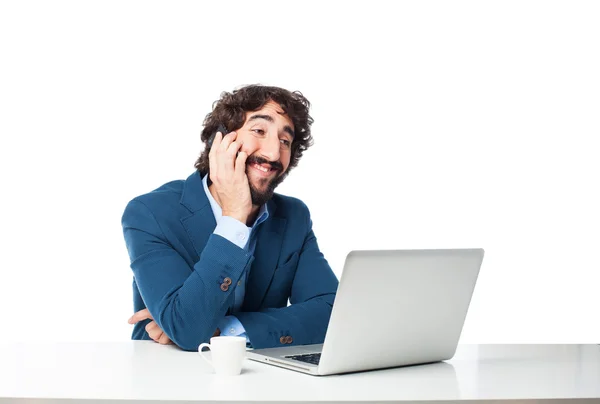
(221, 128)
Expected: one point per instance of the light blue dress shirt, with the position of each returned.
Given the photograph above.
(244, 237)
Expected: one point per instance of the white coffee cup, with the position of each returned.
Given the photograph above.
(228, 354)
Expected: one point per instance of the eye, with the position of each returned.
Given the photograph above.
(286, 143)
(258, 131)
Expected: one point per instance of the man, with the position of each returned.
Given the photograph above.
(220, 253)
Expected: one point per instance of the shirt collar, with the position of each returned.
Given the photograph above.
(263, 212)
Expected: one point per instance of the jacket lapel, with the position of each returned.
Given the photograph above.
(266, 256)
(201, 223)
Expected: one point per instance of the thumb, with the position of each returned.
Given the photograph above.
(140, 316)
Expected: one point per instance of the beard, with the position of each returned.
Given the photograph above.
(260, 197)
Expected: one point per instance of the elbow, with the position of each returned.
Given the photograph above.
(187, 338)
(186, 332)
(188, 341)
(327, 299)
(186, 344)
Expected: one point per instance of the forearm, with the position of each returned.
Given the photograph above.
(312, 295)
(306, 323)
(189, 313)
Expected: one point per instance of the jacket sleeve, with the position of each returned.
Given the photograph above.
(187, 302)
(305, 320)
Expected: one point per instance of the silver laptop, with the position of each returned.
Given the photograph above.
(392, 308)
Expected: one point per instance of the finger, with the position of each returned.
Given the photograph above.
(216, 142)
(240, 164)
(215, 145)
(151, 326)
(140, 316)
(226, 155)
(164, 339)
(212, 157)
(232, 152)
(156, 335)
(227, 139)
(154, 331)
(235, 146)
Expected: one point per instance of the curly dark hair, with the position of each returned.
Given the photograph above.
(230, 110)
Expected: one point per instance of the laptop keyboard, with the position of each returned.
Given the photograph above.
(312, 358)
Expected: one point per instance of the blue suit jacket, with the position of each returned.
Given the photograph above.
(186, 275)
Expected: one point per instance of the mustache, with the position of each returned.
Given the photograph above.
(275, 165)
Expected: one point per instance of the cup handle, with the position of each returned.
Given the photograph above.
(202, 345)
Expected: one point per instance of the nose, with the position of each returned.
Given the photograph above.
(269, 147)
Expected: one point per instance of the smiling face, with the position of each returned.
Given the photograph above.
(267, 136)
(256, 113)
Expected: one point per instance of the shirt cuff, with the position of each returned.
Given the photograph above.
(230, 326)
(233, 230)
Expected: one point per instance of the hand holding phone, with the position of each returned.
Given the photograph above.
(221, 128)
(228, 174)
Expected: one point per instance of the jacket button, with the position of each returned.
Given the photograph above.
(227, 281)
(288, 339)
(283, 340)
(224, 287)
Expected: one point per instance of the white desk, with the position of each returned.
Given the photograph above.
(142, 371)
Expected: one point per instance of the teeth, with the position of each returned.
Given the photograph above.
(261, 168)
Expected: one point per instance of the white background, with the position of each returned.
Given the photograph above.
(437, 125)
